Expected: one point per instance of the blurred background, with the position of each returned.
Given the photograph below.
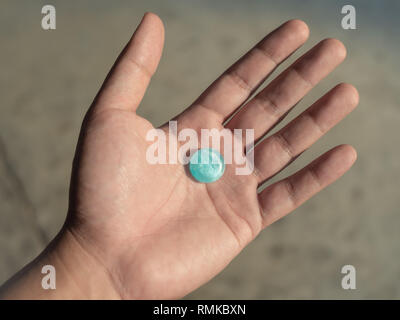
(49, 78)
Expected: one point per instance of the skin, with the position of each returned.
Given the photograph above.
(140, 231)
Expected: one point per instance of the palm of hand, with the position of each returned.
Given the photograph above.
(159, 233)
(155, 219)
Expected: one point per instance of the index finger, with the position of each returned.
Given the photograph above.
(237, 83)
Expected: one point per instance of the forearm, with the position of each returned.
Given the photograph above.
(78, 274)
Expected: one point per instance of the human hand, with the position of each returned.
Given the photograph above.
(153, 231)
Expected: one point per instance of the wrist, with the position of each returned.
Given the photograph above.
(78, 275)
(83, 275)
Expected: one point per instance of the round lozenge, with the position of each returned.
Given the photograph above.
(207, 165)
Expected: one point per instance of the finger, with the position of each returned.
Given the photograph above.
(277, 151)
(236, 84)
(128, 79)
(269, 106)
(284, 196)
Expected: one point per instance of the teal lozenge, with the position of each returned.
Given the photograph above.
(207, 165)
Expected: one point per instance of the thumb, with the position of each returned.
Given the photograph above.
(128, 79)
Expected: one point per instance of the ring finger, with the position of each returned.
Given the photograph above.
(277, 151)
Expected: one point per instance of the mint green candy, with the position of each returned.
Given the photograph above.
(207, 165)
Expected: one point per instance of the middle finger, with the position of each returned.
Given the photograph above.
(271, 104)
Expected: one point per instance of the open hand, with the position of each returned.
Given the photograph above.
(153, 230)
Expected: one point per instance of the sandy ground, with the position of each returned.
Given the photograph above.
(48, 80)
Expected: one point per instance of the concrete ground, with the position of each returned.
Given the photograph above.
(49, 78)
